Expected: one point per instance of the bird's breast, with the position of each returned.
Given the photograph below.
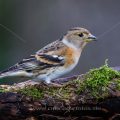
(72, 57)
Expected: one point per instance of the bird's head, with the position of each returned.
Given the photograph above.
(78, 37)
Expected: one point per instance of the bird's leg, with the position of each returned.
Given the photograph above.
(49, 83)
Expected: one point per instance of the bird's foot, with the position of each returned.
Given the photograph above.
(51, 84)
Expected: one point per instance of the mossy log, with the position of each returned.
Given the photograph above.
(92, 96)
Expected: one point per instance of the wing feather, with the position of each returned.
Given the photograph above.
(31, 65)
(41, 60)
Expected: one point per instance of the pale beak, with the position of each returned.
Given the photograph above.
(92, 38)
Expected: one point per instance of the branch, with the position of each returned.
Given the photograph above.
(91, 96)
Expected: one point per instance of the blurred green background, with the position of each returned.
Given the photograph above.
(40, 22)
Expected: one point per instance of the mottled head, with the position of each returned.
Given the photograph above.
(78, 37)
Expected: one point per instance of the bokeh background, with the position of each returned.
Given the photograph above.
(40, 22)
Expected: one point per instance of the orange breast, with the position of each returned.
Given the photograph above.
(70, 54)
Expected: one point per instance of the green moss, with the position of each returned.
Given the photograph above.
(41, 92)
(62, 93)
(95, 84)
(2, 90)
(32, 92)
(98, 80)
(117, 82)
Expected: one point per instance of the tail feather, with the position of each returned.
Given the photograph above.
(16, 70)
(2, 75)
(5, 74)
(14, 73)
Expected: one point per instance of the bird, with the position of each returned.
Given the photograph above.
(53, 60)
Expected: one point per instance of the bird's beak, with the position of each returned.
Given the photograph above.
(92, 38)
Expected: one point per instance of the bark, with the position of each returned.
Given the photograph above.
(14, 105)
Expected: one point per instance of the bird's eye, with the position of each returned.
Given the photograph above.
(80, 35)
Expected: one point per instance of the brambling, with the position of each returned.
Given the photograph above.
(53, 60)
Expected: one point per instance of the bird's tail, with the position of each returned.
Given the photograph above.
(8, 73)
(18, 73)
(4, 75)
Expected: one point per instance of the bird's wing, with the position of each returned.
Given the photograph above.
(41, 60)
(54, 46)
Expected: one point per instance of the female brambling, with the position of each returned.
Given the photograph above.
(55, 59)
